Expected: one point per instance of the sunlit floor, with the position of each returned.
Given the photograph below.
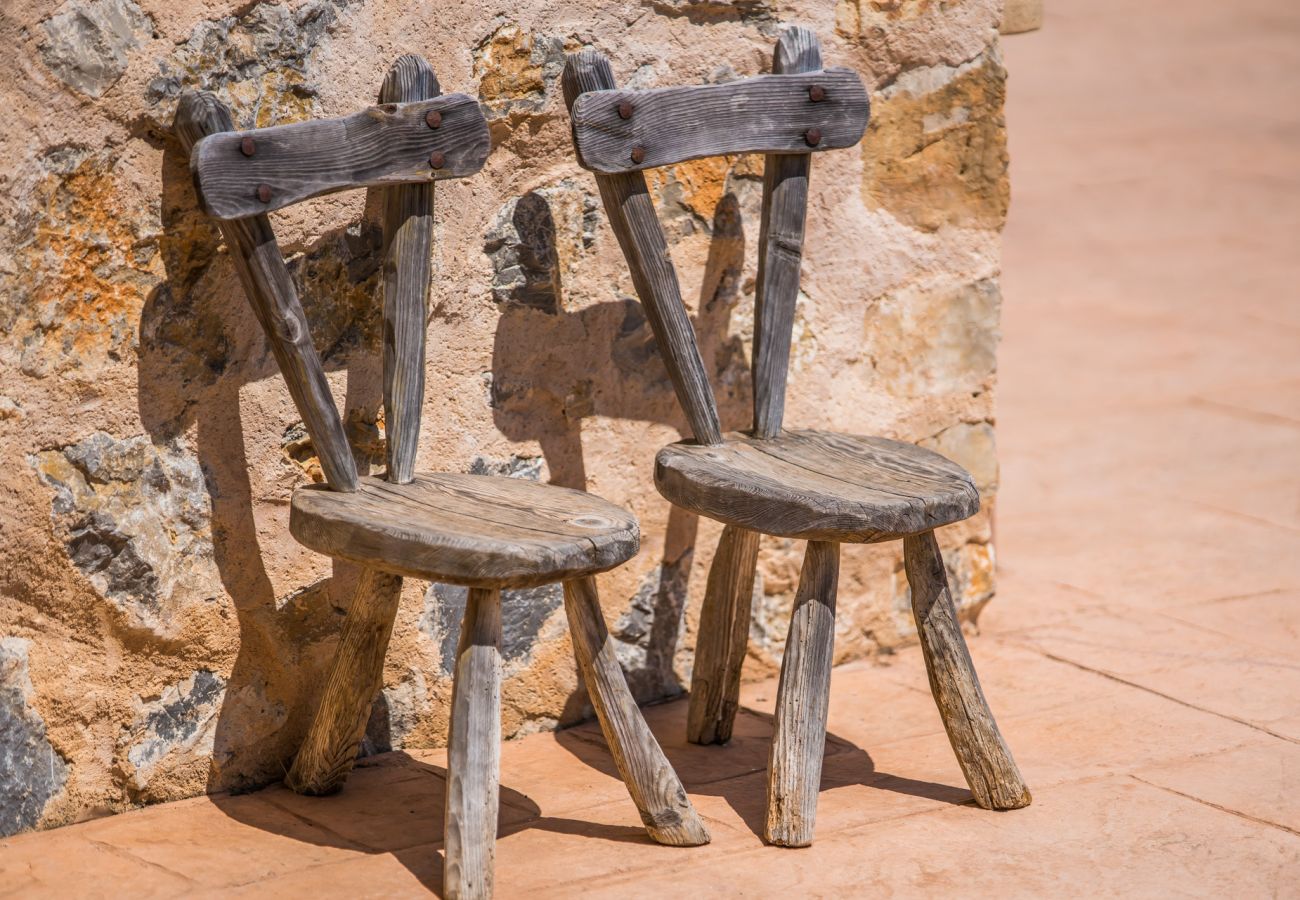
(1143, 653)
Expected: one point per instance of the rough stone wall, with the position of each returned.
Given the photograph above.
(160, 632)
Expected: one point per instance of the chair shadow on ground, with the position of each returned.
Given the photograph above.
(393, 804)
(737, 771)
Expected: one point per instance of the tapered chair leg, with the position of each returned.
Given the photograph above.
(983, 755)
(723, 636)
(794, 768)
(330, 748)
(665, 809)
(474, 751)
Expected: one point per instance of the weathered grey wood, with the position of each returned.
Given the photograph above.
(818, 485)
(383, 145)
(475, 530)
(632, 217)
(666, 811)
(794, 768)
(274, 299)
(474, 751)
(763, 114)
(330, 748)
(723, 635)
(408, 243)
(780, 250)
(982, 753)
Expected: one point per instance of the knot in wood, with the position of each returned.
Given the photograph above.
(264, 193)
(433, 118)
(247, 147)
(625, 110)
(812, 137)
(638, 155)
(816, 93)
(436, 159)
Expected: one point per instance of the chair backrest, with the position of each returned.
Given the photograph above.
(414, 137)
(800, 110)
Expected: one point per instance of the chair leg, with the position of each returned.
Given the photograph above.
(794, 767)
(983, 755)
(723, 635)
(330, 747)
(665, 809)
(474, 751)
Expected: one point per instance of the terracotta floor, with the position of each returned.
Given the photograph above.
(1143, 654)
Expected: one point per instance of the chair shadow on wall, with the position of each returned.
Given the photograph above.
(552, 369)
(199, 344)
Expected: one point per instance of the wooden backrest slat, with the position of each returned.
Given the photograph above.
(246, 173)
(632, 217)
(780, 250)
(408, 243)
(805, 111)
(274, 299)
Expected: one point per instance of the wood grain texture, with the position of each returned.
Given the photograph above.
(818, 485)
(408, 245)
(723, 636)
(763, 114)
(476, 530)
(274, 299)
(330, 748)
(983, 755)
(666, 811)
(474, 751)
(780, 250)
(794, 768)
(383, 145)
(632, 217)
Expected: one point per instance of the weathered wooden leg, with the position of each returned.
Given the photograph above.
(474, 751)
(330, 748)
(723, 635)
(990, 771)
(665, 809)
(794, 767)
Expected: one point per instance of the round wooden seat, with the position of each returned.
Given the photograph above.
(818, 485)
(476, 530)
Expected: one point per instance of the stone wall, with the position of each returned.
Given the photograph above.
(160, 632)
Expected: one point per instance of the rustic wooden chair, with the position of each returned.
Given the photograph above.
(825, 488)
(481, 531)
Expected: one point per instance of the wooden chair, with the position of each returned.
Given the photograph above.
(822, 487)
(485, 532)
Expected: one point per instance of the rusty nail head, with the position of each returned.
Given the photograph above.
(638, 155)
(625, 110)
(813, 136)
(436, 159)
(247, 147)
(433, 118)
(264, 193)
(816, 93)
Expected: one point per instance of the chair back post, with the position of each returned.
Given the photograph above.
(274, 299)
(407, 268)
(635, 224)
(780, 248)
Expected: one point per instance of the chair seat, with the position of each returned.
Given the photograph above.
(818, 485)
(475, 530)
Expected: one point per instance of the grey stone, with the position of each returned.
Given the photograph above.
(528, 468)
(31, 770)
(86, 42)
(396, 713)
(530, 239)
(138, 524)
(523, 613)
(177, 727)
(647, 632)
(262, 57)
